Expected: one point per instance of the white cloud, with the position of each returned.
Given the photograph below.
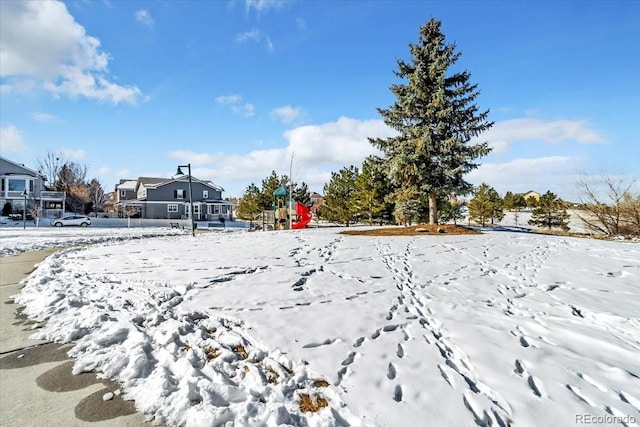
(235, 102)
(72, 154)
(44, 117)
(253, 35)
(256, 36)
(557, 174)
(11, 139)
(317, 150)
(43, 47)
(262, 5)
(245, 110)
(287, 114)
(228, 99)
(506, 132)
(104, 171)
(144, 18)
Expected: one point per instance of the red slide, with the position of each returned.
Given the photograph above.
(304, 216)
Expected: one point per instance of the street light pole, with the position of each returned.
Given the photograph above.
(24, 210)
(193, 226)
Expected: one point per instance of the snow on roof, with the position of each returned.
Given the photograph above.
(127, 185)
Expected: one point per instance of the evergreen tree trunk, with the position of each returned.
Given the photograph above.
(433, 208)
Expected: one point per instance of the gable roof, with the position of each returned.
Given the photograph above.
(126, 184)
(19, 165)
(152, 183)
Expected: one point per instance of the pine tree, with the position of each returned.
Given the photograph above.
(249, 206)
(339, 196)
(269, 185)
(508, 200)
(550, 212)
(436, 117)
(302, 194)
(486, 205)
(497, 213)
(371, 187)
(450, 211)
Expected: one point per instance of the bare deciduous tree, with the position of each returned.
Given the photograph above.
(96, 195)
(610, 206)
(50, 167)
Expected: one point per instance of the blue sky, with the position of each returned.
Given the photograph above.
(235, 87)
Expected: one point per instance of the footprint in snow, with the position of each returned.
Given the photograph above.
(397, 394)
(391, 372)
(350, 359)
(579, 394)
(536, 386)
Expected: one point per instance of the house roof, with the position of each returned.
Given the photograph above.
(150, 182)
(528, 192)
(29, 170)
(127, 185)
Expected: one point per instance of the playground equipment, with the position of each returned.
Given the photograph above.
(278, 218)
(303, 216)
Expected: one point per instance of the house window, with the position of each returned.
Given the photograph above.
(178, 194)
(123, 193)
(172, 207)
(30, 186)
(17, 184)
(205, 194)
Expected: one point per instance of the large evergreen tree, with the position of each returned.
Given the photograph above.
(550, 212)
(436, 117)
(339, 196)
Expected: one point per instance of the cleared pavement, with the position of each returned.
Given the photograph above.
(37, 387)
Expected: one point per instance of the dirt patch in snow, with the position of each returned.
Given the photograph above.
(414, 230)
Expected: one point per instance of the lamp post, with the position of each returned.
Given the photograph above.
(24, 210)
(179, 173)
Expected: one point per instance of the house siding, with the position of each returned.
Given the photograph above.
(166, 192)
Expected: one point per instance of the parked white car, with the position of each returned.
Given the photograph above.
(83, 221)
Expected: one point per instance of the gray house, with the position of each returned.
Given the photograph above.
(18, 182)
(169, 198)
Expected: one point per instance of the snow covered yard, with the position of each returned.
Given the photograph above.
(263, 328)
(14, 240)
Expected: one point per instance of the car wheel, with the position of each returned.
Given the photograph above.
(58, 224)
(84, 224)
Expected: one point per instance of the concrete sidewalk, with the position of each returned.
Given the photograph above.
(37, 387)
